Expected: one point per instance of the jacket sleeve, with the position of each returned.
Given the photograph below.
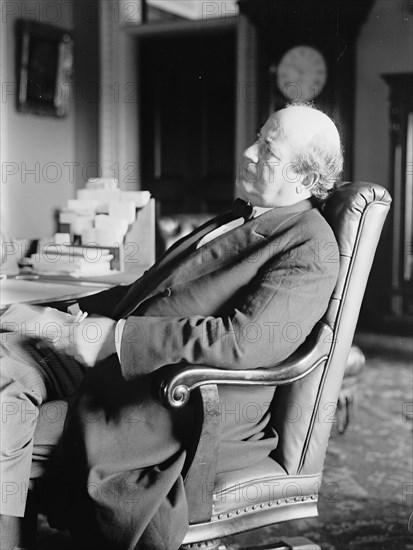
(271, 317)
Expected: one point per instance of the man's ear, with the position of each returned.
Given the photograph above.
(310, 180)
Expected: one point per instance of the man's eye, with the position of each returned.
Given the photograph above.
(271, 152)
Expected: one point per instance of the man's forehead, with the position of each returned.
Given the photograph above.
(302, 120)
(273, 127)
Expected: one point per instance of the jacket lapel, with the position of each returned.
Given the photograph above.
(183, 262)
(181, 247)
(209, 257)
(143, 287)
(229, 247)
(198, 262)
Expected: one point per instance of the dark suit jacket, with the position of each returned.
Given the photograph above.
(246, 299)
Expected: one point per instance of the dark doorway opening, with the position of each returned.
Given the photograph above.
(188, 95)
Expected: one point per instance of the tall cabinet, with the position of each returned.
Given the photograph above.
(401, 187)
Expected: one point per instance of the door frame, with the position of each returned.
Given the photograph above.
(119, 112)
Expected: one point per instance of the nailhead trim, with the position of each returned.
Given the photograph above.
(263, 505)
(205, 544)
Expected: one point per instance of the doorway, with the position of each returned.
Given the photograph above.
(188, 107)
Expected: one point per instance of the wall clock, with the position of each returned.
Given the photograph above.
(301, 73)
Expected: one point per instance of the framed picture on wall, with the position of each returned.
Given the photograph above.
(44, 68)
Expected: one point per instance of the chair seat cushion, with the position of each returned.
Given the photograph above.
(263, 484)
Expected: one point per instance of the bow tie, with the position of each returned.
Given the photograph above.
(242, 209)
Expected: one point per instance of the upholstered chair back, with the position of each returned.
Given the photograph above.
(303, 412)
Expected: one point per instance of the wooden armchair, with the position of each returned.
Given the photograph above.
(285, 485)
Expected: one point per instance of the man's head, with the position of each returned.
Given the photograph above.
(297, 155)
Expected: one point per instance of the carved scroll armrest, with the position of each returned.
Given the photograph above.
(180, 380)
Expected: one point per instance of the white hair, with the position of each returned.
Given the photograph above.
(322, 156)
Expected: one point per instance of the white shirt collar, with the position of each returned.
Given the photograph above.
(258, 210)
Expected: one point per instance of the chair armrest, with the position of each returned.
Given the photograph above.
(179, 381)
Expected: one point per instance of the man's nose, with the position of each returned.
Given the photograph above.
(252, 153)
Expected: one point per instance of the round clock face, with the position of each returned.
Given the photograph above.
(302, 73)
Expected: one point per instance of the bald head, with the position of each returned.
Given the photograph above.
(302, 124)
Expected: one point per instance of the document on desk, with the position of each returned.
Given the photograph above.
(14, 291)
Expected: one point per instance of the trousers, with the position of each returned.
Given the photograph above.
(138, 489)
(31, 375)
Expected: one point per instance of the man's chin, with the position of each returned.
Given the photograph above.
(246, 193)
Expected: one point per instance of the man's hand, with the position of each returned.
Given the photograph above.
(43, 323)
(93, 340)
(88, 342)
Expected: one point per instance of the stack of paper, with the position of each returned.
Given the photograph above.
(75, 261)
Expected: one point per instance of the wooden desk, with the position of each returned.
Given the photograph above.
(40, 291)
(110, 279)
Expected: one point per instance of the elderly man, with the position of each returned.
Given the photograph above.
(242, 291)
